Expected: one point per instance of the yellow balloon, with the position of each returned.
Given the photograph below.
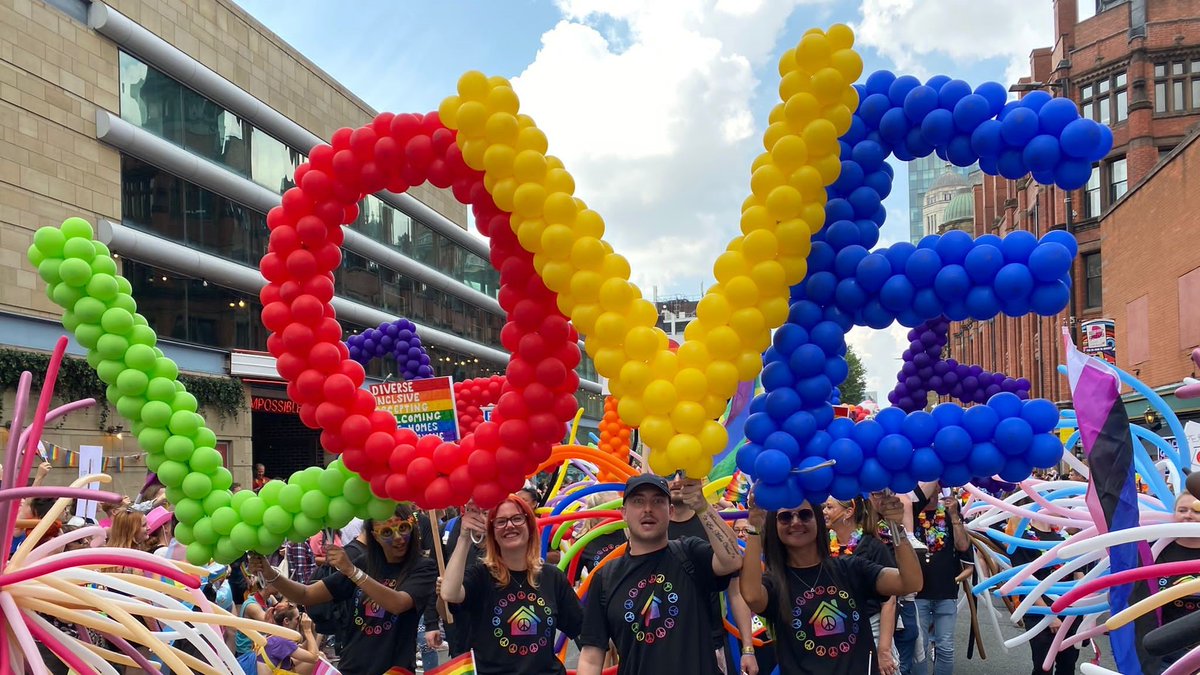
(765, 179)
(529, 199)
(699, 468)
(636, 375)
(787, 62)
(814, 215)
(713, 308)
(656, 431)
(730, 264)
(683, 450)
(760, 245)
(560, 209)
(721, 375)
(840, 36)
(795, 82)
(808, 182)
(830, 168)
(501, 128)
(774, 132)
(749, 365)
(557, 277)
(784, 202)
(821, 138)
(742, 292)
(695, 330)
(589, 224)
(848, 63)
(776, 114)
(473, 153)
(448, 110)
(641, 343)
(473, 86)
(841, 117)
(689, 417)
(528, 166)
(828, 85)
(756, 218)
(557, 241)
(498, 161)
(472, 118)
(665, 365)
(529, 234)
(692, 355)
(631, 410)
(532, 139)
(609, 360)
(503, 193)
(715, 404)
(748, 323)
(723, 342)
(813, 52)
(690, 384)
(503, 99)
(587, 253)
(713, 437)
(584, 316)
(775, 310)
(497, 81)
(642, 313)
(615, 265)
(789, 153)
(660, 465)
(557, 178)
(770, 277)
(616, 294)
(611, 328)
(800, 109)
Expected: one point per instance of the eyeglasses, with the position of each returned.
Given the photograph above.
(516, 521)
(786, 517)
(394, 532)
(741, 530)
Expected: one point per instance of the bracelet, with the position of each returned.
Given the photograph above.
(358, 576)
(755, 533)
(274, 578)
(748, 650)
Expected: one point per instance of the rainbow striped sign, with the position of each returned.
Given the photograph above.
(425, 406)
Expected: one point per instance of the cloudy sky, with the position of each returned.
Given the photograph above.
(657, 108)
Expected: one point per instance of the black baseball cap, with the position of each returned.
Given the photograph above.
(657, 482)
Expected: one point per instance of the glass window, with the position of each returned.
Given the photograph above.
(1102, 109)
(192, 310)
(1089, 110)
(272, 164)
(1177, 100)
(1086, 92)
(1177, 68)
(1195, 67)
(1102, 86)
(1093, 296)
(1160, 97)
(1121, 79)
(1160, 70)
(1118, 180)
(1196, 93)
(151, 100)
(1122, 106)
(1091, 195)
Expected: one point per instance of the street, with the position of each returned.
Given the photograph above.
(999, 660)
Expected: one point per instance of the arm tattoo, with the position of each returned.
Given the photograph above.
(720, 534)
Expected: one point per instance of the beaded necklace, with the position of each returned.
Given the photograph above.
(935, 532)
(835, 547)
(883, 532)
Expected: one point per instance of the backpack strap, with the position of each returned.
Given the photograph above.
(676, 548)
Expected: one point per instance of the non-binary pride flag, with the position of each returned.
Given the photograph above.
(1112, 494)
(464, 664)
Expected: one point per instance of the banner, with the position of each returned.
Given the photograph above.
(425, 406)
(1100, 339)
(91, 461)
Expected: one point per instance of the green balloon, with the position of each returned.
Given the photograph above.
(205, 436)
(75, 272)
(141, 335)
(175, 494)
(124, 301)
(381, 509)
(140, 357)
(268, 541)
(156, 414)
(64, 295)
(357, 491)
(101, 249)
(77, 228)
(341, 512)
(305, 526)
(314, 504)
(330, 482)
(88, 336)
(130, 407)
(35, 255)
(199, 554)
(197, 485)
(102, 286)
(153, 462)
(132, 382)
(221, 479)
(160, 389)
(277, 520)
(239, 499)
(89, 310)
(112, 394)
(70, 321)
(252, 510)
(103, 264)
(183, 422)
(111, 346)
(108, 371)
(136, 426)
(223, 520)
(243, 537)
(179, 448)
(185, 401)
(153, 439)
(189, 511)
(216, 500)
(124, 286)
(81, 249)
(204, 532)
(50, 241)
(164, 367)
(205, 460)
(183, 532)
(172, 473)
(270, 492)
(289, 498)
(48, 270)
(306, 480)
(117, 320)
(93, 359)
(227, 551)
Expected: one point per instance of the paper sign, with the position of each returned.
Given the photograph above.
(91, 461)
(425, 406)
(487, 412)
(1192, 431)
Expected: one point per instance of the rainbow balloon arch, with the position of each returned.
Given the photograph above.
(803, 271)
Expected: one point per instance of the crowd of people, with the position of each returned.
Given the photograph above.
(864, 585)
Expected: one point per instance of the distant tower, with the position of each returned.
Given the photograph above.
(947, 186)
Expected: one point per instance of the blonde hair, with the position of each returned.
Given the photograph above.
(125, 526)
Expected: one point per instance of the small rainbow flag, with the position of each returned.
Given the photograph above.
(463, 664)
(738, 489)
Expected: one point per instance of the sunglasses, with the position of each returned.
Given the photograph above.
(516, 521)
(803, 515)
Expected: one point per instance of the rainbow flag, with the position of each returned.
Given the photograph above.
(738, 489)
(464, 664)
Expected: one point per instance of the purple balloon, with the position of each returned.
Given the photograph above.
(396, 339)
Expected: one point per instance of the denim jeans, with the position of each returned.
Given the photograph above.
(938, 619)
(905, 638)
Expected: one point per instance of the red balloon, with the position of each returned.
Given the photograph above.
(439, 174)
(482, 465)
(388, 152)
(515, 433)
(317, 185)
(419, 150)
(461, 484)
(538, 396)
(512, 406)
(426, 445)
(312, 231)
(276, 217)
(309, 386)
(362, 142)
(364, 403)
(438, 494)
(421, 471)
(341, 138)
(448, 455)
(330, 212)
(382, 124)
(328, 257)
(321, 157)
(298, 338)
(296, 204)
(308, 310)
(402, 456)
(551, 372)
(488, 495)
(325, 357)
(346, 166)
(289, 366)
(405, 126)
(275, 345)
(356, 461)
(379, 486)
(372, 177)
(384, 421)
(276, 316)
(331, 441)
(273, 269)
(546, 428)
(355, 429)
(308, 415)
(397, 487)
(405, 436)
(379, 447)
(339, 389)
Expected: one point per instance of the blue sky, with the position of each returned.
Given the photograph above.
(657, 108)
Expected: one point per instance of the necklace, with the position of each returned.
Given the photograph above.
(935, 531)
(816, 582)
(836, 548)
(883, 532)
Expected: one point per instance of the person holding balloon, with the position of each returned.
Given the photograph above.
(938, 522)
(514, 603)
(815, 602)
(389, 595)
(1181, 550)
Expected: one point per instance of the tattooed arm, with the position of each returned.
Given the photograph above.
(727, 555)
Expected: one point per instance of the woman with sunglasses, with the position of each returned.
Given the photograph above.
(388, 595)
(512, 604)
(817, 603)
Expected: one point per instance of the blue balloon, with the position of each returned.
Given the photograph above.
(986, 140)
(1016, 469)
(849, 295)
(1013, 282)
(759, 426)
(820, 257)
(836, 369)
(1045, 451)
(1045, 176)
(937, 82)
(919, 428)
(867, 435)
(783, 443)
(898, 255)
(952, 283)
(841, 427)
(894, 452)
(953, 247)
(872, 109)
(922, 267)
(938, 127)
(747, 455)
(818, 445)
(1008, 108)
(948, 414)
(1013, 436)
(986, 460)
(894, 126)
(807, 361)
(868, 233)
(970, 111)
(843, 488)
(926, 465)
(1011, 164)
(814, 390)
(1042, 415)
(829, 337)
(857, 131)
(1015, 307)
(873, 271)
(850, 177)
(1017, 246)
(776, 375)
(880, 81)
(996, 95)
(959, 152)
(952, 444)
(902, 482)
(980, 422)
(1049, 261)
(1049, 298)
(880, 181)
(838, 209)
(1041, 153)
(821, 286)
(801, 426)
(917, 144)
(1100, 151)
(783, 403)
(956, 475)
(865, 202)
(983, 262)
(773, 497)
(900, 88)
(772, 467)
(876, 316)
(1080, 138)
(870, 155)
(1035, 100)
(1066, 239)
(873, 477)
(804, 313)
(1072, 174)
(1056, 114)
(919, 102)
(952, 92)
(1019, 127)
(789, 337)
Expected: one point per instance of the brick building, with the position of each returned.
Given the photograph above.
(1136, 67)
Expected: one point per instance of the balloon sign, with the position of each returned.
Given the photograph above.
(792, 430)
(397, 339)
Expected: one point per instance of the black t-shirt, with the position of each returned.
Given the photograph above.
(513, 629)
(600, 547)
(379, 640)
(825, 628)
(692, 527)
(1176, 609)
(877, 552)
(651, 607)
(942, 566)
(1025, 555)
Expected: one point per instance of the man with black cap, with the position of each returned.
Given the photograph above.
(653, 601)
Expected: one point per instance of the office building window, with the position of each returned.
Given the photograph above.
(1118, 180)
(1177, 86)
(196, 311)
(1091, 195)
(1107, 100)
(1093, 292)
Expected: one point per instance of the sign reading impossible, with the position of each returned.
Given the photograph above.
(424, 406)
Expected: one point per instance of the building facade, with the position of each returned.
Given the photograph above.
(175, 127)
(1134, 66)
(938, 198)
(923, 172)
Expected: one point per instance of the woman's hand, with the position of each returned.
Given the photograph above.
(340, 560)
(887, 665)
(474, 523)
(306, 624)
(756, 516)
(891, 508)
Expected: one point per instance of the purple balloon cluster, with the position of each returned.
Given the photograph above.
(924, 371)
(398, 339)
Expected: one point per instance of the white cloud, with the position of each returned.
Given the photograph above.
(905, 31)
(879, 351)
(650, 107)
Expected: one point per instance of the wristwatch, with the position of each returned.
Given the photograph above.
(755, 532)
(748, 650)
